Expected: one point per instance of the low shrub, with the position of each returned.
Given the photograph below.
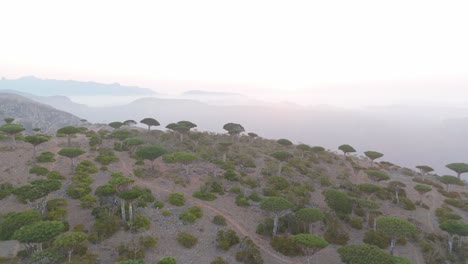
(377, 239)
(219, 220)
(355, 223)
(225, 239)
(176, 198)
(286, 246)
(186, 239)
(45, 157)
(39, 170)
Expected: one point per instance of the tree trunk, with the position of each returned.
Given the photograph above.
(69, 140)
(397, 197)
(459, 175)
(420, 199)
(375, 224)
(14, 141)
(367, 219)
(275, 225)
(149, 127)
(280, 167)
(122, 210)
(309, 260)
(224, 156)
(130, 211)
(69, 255)
(450, 243)
(187, 169)
(181, 137)
(392, 246)
(72, 164)
(34, 154)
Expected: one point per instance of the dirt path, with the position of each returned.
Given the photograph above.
(257, 240)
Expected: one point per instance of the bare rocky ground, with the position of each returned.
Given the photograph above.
(14, 166)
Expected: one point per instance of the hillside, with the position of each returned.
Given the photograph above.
(223, 176)
(34, 115)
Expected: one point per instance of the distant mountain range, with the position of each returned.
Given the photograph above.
(32, 114)
(48, 87)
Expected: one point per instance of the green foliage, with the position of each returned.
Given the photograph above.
(249, 252)
(310, 242)
(454, 227)
(88, 201)
(105, 190)
(180, 157)
(191, 215)
(46, 156)
(38, 170)
(38, 232)
(286, 246)
(422, 189)
(12, 129)
(36, 139)
(377, 239)
(86, 166)
(70, 241)
(424, 169)
(204, 194)
(139, 223)
(106, 157)
(158, 205)
(6, 189)
(56, 210)
(377, 176)
(167, 260)
(225, 239)
(55, 175)
(219, 260)
(278, 183)
(14, 221)
(105, 226)
(71, 152)
(355, 223)
(186, 239)
(176, 198)
(459, 168)
(36, 189)
(78, 190)
(357, 254)
(309, 215)
(373, 155)
(338, 201)
(150, 152)
(335, 233)
(49, 256)
(281, 155)
(242, 200)
(346, 149)
(219, 220)
(149, 122)
(233, 128)
(231, 175)
(407, 204)
(395, 227)
(447, 180)
(284, 142)
(275, 204)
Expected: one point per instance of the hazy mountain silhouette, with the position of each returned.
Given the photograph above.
(48, 87)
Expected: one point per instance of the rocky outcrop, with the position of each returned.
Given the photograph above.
(32, 114)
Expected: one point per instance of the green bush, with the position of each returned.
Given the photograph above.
(166, 212)
(231, 175)
(204, 195)
(241, 200)
(55, 175)
(139, 172)
(407, 204)
(139, 223)
(236, 189)
(376, 239)
(76, 191)
(158, 204)
(36, 189)
(106, 158)
(355, 223)
(225, 239)
(5, 189)
(86, 166)
(335, 233)
(38, 170)
(186, 239)
(249, 253)
(338, 201)
(191, 215)
(219, 220)
(219, 260)
(286, 246)
(88, 201)
(46, 156)
(254, 196)
(176, 198)
(14, 221)
(278, 183)
(105, 226)
(167, 260)
(268, 192)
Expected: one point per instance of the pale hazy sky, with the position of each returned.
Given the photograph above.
(290, 46)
